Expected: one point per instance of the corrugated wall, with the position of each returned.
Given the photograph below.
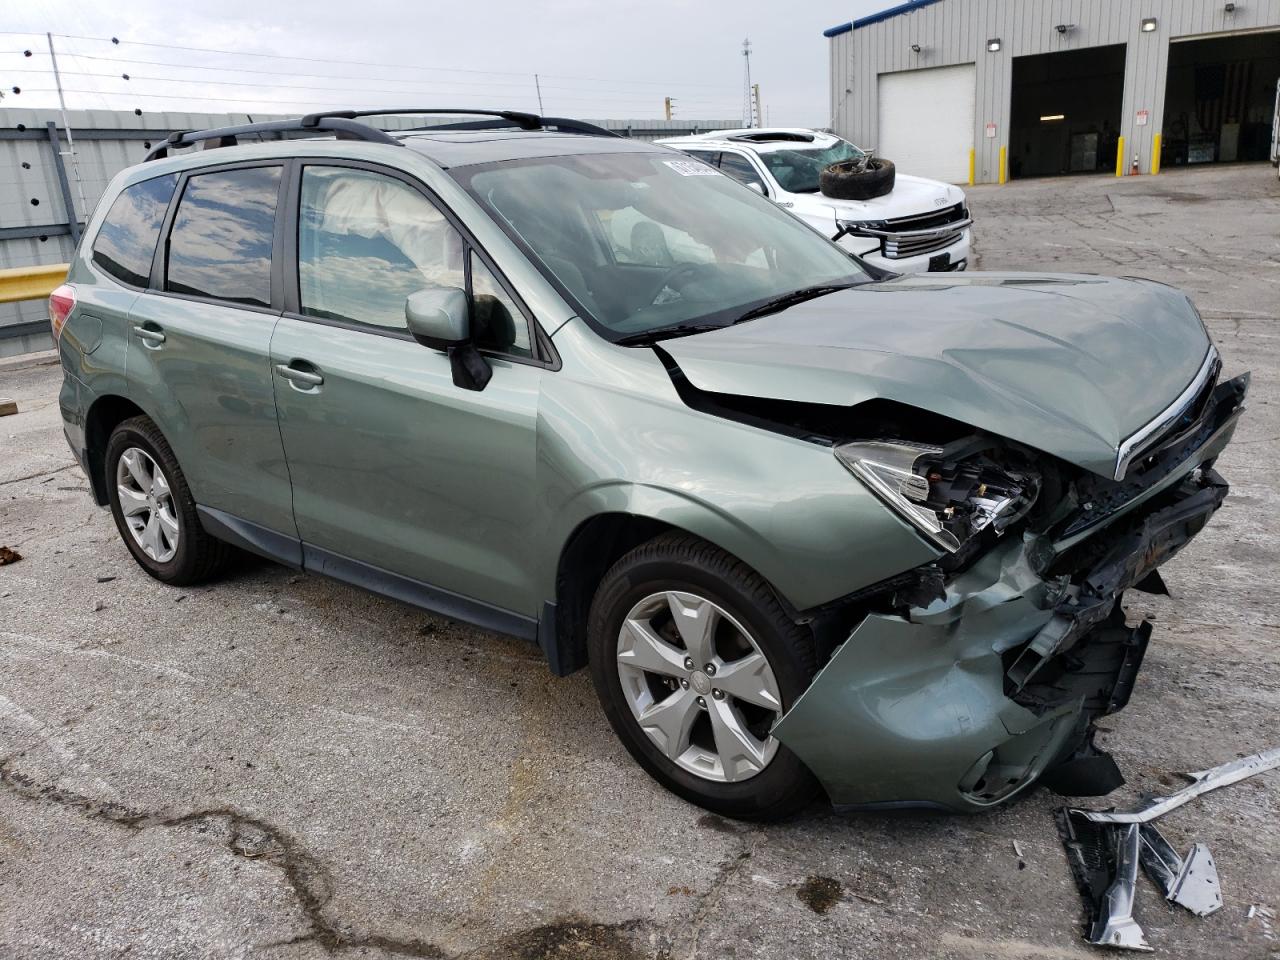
(33, 215)
(956, 31)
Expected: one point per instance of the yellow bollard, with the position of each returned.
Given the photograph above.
(971, 158)
(1155, 154)
(1003, 159)
(1120, 158)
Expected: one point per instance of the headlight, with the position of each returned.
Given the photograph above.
(863, 228)
(947, 497)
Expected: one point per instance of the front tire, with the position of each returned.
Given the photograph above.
(693, 660)
(153, 508)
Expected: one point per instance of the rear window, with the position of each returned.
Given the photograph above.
(220, 246)
(127, 239)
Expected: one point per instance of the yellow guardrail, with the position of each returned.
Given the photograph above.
(31, 283)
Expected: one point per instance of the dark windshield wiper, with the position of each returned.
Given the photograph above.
(664, 333)
(792, 298)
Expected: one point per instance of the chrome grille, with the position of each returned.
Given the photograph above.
(928, 221)
(896, 248)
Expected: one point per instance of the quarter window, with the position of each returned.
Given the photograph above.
(126, 242)
(220, 246)
(366, 242)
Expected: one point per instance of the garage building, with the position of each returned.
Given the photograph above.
(987, 90)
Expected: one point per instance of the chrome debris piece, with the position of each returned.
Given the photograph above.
(1095, 853)
(1115, 926)
(1191, 882)
(1104, 849)
(1197, 886)
(1160, 862)
(1201, 782)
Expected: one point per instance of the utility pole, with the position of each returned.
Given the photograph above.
(667, 109)
(66, 125)
(538, 86)
(748, 112)
(755, 96)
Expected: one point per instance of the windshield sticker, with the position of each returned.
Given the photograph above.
(692, 168)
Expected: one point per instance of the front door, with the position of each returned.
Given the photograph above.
(394, 468)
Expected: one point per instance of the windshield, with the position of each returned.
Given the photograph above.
(797, 170)
(648, 241)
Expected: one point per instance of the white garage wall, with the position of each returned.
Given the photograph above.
(927, 120)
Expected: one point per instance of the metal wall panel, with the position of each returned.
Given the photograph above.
(956, 31)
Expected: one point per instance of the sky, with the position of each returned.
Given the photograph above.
(611, 60)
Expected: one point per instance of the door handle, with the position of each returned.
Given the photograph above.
(295, 376)
(153, 338)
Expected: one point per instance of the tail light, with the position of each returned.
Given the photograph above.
(61, 302)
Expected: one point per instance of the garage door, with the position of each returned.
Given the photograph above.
(927, 120)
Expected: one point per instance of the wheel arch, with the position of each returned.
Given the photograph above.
(106, 413)
(588, 552)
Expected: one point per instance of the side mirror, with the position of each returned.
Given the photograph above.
(757, 186)
(438, 316)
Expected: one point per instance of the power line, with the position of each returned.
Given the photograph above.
(365, 63)
(418, 84)
(271, 100)
(133, 77)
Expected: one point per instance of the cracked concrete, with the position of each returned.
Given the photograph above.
(278, 766)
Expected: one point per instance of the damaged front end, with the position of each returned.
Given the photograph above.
(963, 682)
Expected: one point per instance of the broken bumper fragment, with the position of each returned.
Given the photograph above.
(964, 702)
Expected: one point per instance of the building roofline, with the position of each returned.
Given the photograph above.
(877, 17)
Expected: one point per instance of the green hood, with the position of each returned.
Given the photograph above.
(1067, 364)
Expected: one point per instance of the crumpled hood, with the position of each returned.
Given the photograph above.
(1067, 364)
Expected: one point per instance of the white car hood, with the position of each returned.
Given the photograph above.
(910, 196)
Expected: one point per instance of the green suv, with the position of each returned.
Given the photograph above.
(812, 526)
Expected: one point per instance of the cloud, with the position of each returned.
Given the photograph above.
(637, 52)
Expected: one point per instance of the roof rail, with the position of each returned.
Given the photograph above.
(344, 123)
(500, 119)
(345, 129)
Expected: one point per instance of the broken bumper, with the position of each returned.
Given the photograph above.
(963, 703)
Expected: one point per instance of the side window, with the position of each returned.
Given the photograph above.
(498, 323)
(367, 241)
(220, 245)
(127, 239)
(741, 170)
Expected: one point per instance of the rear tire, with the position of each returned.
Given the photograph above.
(717, 753)
(160, 528)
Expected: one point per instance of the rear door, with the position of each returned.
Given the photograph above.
(403, 481)
(199, 350)
(740, 168)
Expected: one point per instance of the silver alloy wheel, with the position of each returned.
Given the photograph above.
(694, 680)
(147, 504)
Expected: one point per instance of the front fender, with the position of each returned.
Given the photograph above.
(783, 506)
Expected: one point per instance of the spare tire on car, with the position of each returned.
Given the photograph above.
(861, 179)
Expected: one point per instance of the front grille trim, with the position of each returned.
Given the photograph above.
(928, 221)
(1148, 436)
(899, 248)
